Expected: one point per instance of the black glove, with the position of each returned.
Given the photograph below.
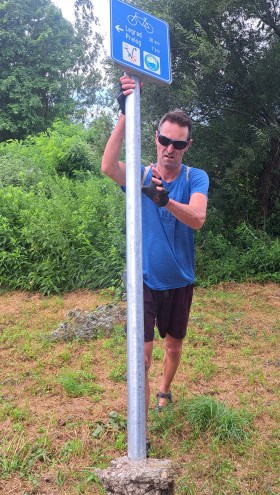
(159, 197)
(121, 100)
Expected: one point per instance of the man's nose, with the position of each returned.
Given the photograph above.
(170, 146)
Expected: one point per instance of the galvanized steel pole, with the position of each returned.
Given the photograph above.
(135, 314)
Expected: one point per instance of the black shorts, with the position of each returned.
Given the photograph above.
(168, 310)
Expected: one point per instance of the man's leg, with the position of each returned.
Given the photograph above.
(148, 351)
(172, 356)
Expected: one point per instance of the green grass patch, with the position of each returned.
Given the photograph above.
(118, 373)
(21, 455)
(79, 383)
(203, 414)
(206, 413)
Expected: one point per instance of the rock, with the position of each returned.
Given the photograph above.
(124, 477)
(87, 325)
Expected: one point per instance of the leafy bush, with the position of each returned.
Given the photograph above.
(62, 224)
(62, 236)
(58, 234)
(66, 148)
(247, 255)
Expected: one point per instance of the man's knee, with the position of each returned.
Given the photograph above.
(173, 348)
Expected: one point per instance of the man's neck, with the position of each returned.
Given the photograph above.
(169, 174)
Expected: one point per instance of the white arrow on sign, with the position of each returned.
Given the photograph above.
(118, 28)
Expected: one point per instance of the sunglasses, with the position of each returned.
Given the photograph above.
(165, 141)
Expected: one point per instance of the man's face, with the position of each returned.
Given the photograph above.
(168, 156)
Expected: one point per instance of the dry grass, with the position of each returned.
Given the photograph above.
(49, 443)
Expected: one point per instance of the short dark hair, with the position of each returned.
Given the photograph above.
(179, 117)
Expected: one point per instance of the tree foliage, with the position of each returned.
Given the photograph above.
(48, 67)
(62, 224)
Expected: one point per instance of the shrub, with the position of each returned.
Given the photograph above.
(62, 224)
(62, 236)
(249, 255)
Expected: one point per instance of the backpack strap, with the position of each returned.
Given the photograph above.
(146, 171)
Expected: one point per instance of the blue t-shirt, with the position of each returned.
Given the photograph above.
(168, 244)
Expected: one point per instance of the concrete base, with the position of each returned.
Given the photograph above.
(127, 477)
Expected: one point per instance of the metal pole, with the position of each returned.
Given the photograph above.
(135, 313)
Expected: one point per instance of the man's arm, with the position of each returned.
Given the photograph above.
(111, 165)
(193, 214)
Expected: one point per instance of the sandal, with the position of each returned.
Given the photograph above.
(162, 395)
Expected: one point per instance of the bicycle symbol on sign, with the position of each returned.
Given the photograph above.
(134, 19)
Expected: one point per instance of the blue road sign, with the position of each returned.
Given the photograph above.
(140, 42)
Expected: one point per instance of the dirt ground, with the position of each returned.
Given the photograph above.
(238, 323)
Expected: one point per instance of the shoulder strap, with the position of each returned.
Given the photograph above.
(146, 171)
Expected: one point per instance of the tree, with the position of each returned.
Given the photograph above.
(88, 75)
(234, 57)
(48, 67)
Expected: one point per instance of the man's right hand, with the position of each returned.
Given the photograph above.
(127, 85)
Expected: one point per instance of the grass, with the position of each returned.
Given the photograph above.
(20, 455)
(63, 405)
(206, 413)
(79, 383)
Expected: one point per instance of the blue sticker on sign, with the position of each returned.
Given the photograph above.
(151, 62)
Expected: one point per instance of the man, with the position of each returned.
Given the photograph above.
(174, 203)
